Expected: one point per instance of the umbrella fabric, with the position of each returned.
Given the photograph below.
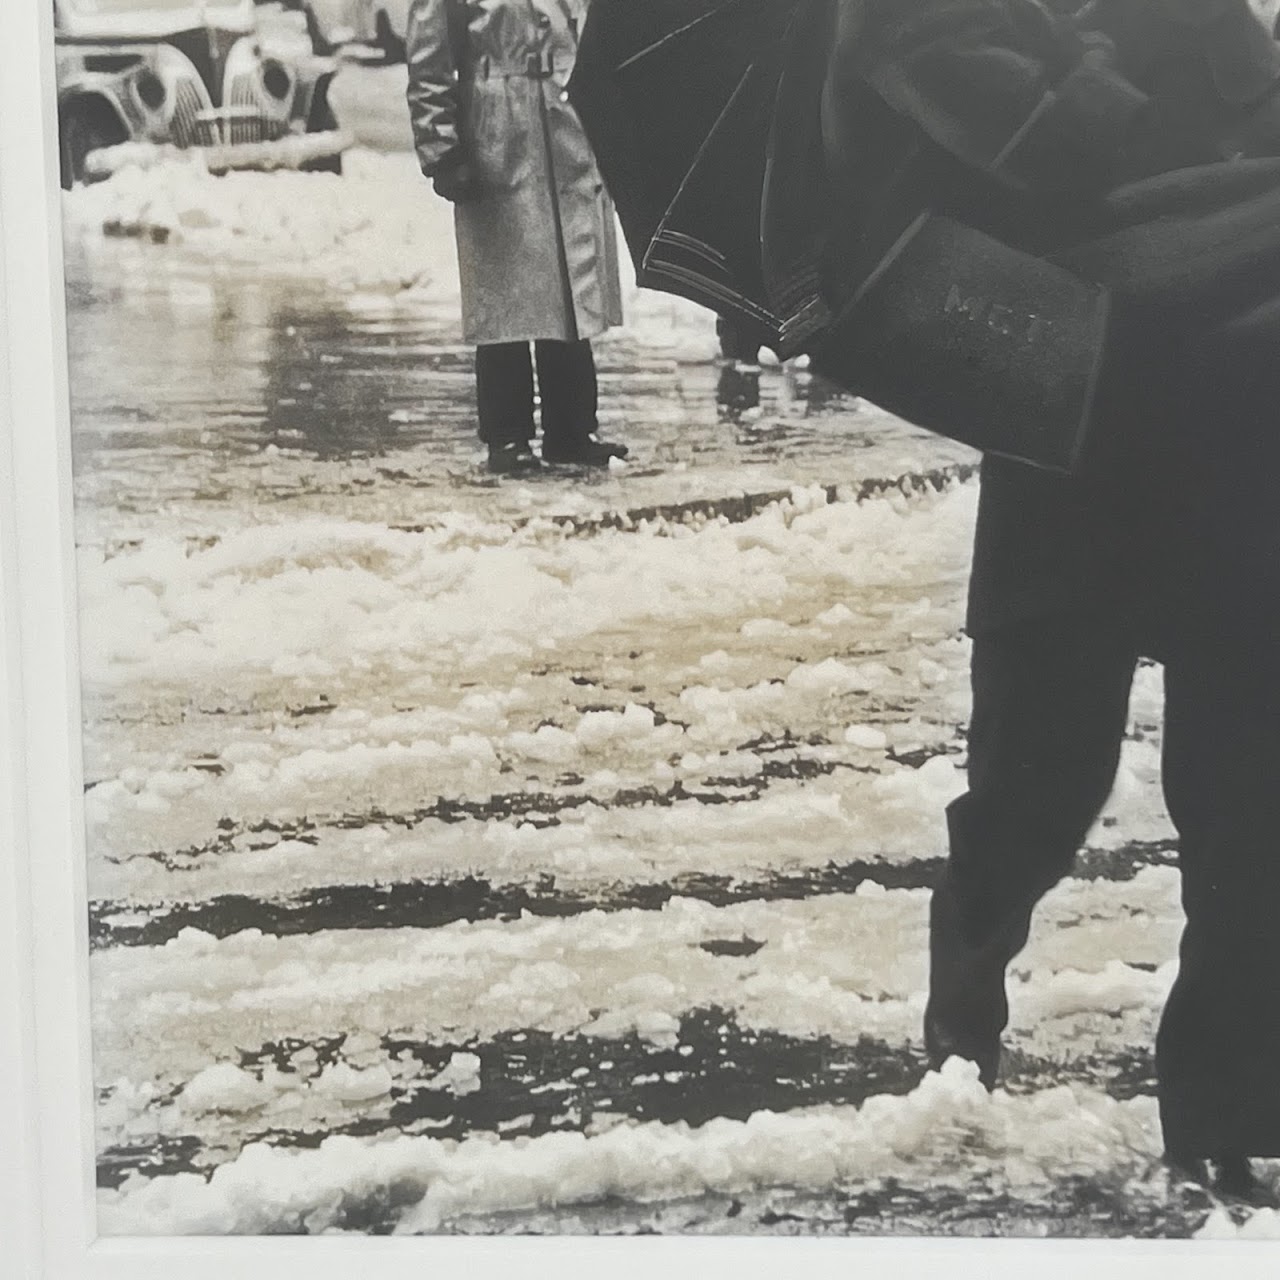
(704, 145)
(677, 97)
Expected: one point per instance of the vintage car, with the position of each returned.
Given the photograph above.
(166, 74)
(377, 24)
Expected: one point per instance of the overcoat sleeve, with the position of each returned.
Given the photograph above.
(1001, 84)
(1233, 44)
(432, 56)
(1212, 65)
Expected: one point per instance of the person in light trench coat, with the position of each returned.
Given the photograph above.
(537, 246)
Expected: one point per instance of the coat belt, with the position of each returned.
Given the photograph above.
(536, 66)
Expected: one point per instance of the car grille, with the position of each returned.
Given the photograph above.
(245, 95)
(231, 125)
(188, 106)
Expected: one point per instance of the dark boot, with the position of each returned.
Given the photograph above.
(1234, 1178)
(1188, 1168)
(589, 451)
(1230, 1176)
(1218, 1046)
(1050, 703)
(513, 459)
(967, 1008)
(569, 393)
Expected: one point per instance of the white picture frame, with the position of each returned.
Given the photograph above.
(47, 1229)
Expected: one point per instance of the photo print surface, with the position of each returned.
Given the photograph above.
(554, 759)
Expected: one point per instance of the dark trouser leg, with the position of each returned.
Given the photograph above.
(568, 389)
(737, 340)
(1218, 1048)
(1050, 702)
(504, 392)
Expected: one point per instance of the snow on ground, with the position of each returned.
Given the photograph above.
(611, 973)
(479, 856)
(376, 231)
(401, 615)
(1031, 1140)
(442, 600)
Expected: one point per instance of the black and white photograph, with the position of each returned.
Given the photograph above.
(677, 615)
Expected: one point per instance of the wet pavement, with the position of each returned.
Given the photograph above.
(237, 387)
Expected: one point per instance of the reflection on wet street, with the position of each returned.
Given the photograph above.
(237, 384)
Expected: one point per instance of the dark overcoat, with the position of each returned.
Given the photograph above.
(1116, 142)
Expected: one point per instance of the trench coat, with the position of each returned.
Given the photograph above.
(1060, 139)
(537, 248)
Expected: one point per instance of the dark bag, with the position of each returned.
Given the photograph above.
(963, 335)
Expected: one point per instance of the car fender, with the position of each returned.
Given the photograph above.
(102, 91)
(315, 75)
(186, 95)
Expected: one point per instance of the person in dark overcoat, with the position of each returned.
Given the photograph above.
(1133, 143)
(537, 250)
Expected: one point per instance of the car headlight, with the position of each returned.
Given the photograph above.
(263, 85)
(276, 80)
(150, 91)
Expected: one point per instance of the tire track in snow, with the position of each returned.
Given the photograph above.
(426, 904)
(1044, 1155)
(841, 966)
(534, 807)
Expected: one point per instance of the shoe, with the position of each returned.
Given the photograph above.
(590, 451)
(1227, 1175)
(942, 1042)
(1234, 1178)
(1188, 1168)
(967, 1007)
(514, 458)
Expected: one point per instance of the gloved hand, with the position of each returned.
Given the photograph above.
(456, 182)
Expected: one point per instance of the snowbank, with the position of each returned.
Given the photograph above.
(948, 1120)
(373, 228)
(378, 228)
(311, 598)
